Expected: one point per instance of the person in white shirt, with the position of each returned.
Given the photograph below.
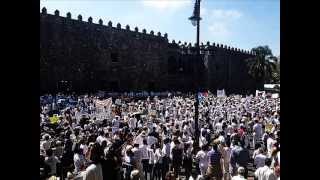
(259, 159)
(132, 123)
(257, 132)
(221, 137)
(145, 157)
(46, 144)
(240, 176)
(78, 160)
(203, 158)
(158, 162)
(101, 137)
(203, 140)
(137, 157)
(265, 172)
(218, 126)
(140, 137)
(270, 143)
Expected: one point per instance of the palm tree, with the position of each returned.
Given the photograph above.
(262, 65)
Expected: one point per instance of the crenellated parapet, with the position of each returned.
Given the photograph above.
(211, 47)
(109, 26)
(188, 47)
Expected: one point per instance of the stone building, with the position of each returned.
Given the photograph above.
(90, 56)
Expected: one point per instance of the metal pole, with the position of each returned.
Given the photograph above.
(196, 105)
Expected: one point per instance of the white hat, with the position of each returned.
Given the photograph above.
(241, 170)
(69, 175)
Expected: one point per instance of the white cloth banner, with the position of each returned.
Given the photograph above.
(118, 102)
(104, 103)
(221, 93)
(103, 108)
(260, 93)
(275, 96)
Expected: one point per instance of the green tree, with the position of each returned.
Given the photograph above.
(262, 65)
(276, 73)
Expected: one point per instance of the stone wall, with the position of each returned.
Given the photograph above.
(94, 56)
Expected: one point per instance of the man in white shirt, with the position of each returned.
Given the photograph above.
(240, 176)
(218, 126)
(265, 172)
(270, 143)
(257, 130)
(132, 123)
(46, 144)
(101, 137)
(221, 137)
(145, 157)
(137, 156)
(203, 160)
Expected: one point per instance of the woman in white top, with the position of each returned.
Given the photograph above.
(203, 159)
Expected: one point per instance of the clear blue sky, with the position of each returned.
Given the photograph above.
(238, 23)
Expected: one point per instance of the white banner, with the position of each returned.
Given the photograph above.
(118, 102)
(221, 93)
(103, 108)
(104, 103)
(260, 93)
(275, 96)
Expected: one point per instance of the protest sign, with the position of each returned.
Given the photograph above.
(275, 96)
(118, 102)
(103, 108)
(260, 93)
(104, 103)
(221, 93)
(152, 113)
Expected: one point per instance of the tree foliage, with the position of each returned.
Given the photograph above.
(262, 66)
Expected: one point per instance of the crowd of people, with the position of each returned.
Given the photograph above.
(154, 138)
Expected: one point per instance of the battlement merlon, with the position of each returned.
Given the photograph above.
(44, 14)
(207, 46)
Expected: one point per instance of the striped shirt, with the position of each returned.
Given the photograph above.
(214, 157)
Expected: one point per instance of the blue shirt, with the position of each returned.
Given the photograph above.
(214, 157)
